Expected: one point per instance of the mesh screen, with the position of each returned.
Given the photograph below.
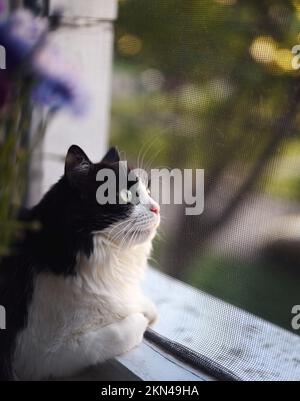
(215, 85)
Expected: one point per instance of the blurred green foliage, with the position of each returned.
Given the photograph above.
(14, 123)
(211, 81)
(258, 288)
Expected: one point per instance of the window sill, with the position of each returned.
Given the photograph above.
(144, 363)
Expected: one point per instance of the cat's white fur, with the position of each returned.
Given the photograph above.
(78, 321)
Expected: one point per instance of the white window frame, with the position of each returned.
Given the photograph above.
(86, 39)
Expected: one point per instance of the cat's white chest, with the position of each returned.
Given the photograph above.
(64, 308)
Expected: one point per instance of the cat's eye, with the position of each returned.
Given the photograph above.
(126, 196)
(148, 191)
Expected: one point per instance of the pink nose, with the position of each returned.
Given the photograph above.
(155, 209)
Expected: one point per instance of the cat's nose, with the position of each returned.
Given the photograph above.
(155, 209)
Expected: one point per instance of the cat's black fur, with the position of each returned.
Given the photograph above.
(59, 227)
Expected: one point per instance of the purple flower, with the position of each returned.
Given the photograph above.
(59, 86)
(20, 34)
(56, 94)
(29, 53)
(2, 6)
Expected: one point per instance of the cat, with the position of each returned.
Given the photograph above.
(71, 284)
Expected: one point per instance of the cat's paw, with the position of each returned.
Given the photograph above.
(135, 326)
(150, 311)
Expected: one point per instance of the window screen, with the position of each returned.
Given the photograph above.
(215, 85)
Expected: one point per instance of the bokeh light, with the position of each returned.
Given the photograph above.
(263, 49)
(152, 80)
(226, 2)
(283, 59)
(129, 45)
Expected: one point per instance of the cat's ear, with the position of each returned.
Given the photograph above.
(112, 156)
(77, 162)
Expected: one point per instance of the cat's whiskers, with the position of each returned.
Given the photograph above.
(145, 144)
(141, 162)
(150, 162)
(115, 226)
(133, 238)
(126, 236)
(120, 233)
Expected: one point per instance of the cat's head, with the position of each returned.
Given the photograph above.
(128, 218)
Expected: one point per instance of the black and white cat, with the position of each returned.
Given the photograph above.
(71, 286)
